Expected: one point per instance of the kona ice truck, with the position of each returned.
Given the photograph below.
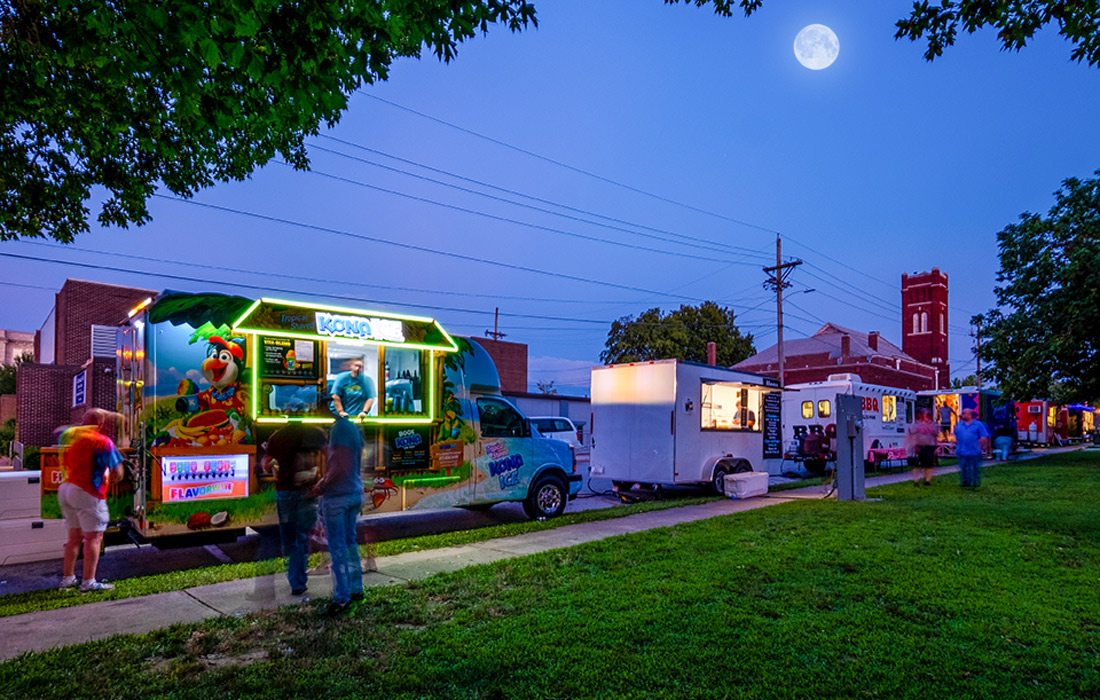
(204, 379)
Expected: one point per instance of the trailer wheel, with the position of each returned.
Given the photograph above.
(546, 499)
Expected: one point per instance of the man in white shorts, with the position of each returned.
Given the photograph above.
(90, 460)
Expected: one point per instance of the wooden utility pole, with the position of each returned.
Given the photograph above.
(496, 333)
(978, 350)
(777, 280)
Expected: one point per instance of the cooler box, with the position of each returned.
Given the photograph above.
(31, 539)
(20, 495)
(745, 484)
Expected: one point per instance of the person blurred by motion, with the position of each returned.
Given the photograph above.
(971, 442)
(296, 454)
(90, 460)
(341, 488)
(923, 436)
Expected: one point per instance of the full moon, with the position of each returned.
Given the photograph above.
(816, 47)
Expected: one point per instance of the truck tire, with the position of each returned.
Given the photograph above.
(546, 498)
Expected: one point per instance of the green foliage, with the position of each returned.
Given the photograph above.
(131, 95)
(1015, 22)
(1042, 341)
(968, 380)
(930, 592)
(940, 21)
(682, 334)
(8, 372)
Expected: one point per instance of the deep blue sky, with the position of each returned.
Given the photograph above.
(878, 165)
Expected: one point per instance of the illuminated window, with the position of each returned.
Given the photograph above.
(923, 321)
(824, 408)
(807, 409)
(889, 408)
(729, 406)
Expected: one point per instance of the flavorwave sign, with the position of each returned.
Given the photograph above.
(198, 478)
(360, 327)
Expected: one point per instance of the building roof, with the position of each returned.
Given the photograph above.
(826, 340)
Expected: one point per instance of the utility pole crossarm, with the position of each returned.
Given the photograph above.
(777, 280)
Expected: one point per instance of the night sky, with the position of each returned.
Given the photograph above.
(630, 154)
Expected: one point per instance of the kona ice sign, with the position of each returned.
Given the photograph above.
(360, 327)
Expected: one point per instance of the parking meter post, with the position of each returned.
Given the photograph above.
(849, 456)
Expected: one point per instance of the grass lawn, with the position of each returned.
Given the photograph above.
(931, 592)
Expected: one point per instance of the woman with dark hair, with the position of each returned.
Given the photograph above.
(923, 436)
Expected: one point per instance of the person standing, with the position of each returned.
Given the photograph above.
(923, 438)
(971, 442)
(342, 491)
(353, 392)
(90, 459)
(296, 453)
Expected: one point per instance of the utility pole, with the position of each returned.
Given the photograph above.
(496, 333)
(978, 350)
(777, 280)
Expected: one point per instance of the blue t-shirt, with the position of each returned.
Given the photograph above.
(345, 462)
(968, 438)
(353, 392)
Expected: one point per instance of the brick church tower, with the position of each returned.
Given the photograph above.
(924, 321)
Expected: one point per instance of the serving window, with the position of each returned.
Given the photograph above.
(730, 406)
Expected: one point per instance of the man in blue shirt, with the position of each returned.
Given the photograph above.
(353, 392)
(971, 442)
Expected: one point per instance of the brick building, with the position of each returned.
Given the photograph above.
(834, 349)
(511, 361)
(75, 353)
(924, 318)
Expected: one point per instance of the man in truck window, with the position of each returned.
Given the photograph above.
(353, 392)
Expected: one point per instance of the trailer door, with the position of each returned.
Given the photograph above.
(633, 408)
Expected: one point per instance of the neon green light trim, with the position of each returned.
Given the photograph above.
(365, 421)
(253, 341)
(454, 345)
(246, 314)
(345, 309)
(431, 480)
(341, 341)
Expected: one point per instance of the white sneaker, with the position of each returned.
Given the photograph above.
(67, 582)
(93, 585)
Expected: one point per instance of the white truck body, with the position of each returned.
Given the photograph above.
(887, 413)
(674, 422)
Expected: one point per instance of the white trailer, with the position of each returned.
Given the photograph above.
(670, 422)
(809, 420)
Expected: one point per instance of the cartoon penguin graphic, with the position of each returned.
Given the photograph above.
(222, 367)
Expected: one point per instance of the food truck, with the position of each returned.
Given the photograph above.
(997, 413)
(809, 421)
(671, 422)
(1035, 421)
(204, 379)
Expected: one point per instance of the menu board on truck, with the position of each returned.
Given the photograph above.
(292, 358)
(409, 447)
(773, 427)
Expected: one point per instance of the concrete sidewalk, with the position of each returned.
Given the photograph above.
(81, 623)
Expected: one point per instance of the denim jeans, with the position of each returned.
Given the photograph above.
(341, 513)
(297, 516)
(969, 469)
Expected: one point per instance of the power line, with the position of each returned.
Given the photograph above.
(509, 220)
(631, 188)
(264, 288)
(567, 166)
(418, 248)
(707, 244)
